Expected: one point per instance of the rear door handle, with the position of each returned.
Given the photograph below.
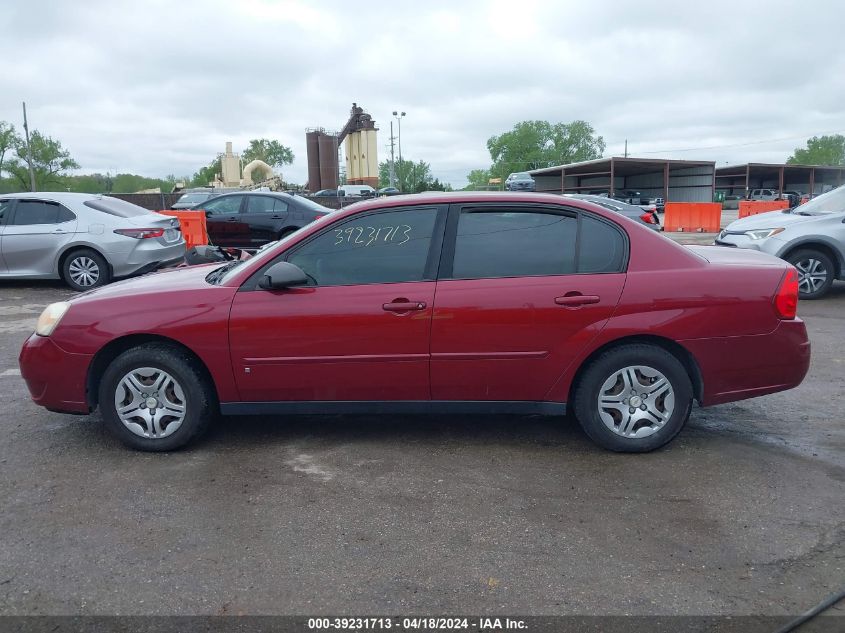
(576, 300)
(403, 305)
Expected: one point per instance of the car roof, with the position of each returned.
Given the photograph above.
(57, 196)
(465, 197)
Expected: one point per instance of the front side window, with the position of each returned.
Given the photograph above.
(229, 205)
(387, 247)
(502, 243)
(38, 212)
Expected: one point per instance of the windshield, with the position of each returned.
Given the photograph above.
(830, 202)
(310, 204)
(194, 198)
(522, 177)
(266, 253)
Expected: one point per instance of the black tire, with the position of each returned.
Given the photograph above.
(199, 398)
(85, 259)
(805, 260)
(601, 369)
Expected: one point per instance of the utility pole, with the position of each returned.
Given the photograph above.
(392, 159)
(398, 116)
(626, 148)
(28, 151)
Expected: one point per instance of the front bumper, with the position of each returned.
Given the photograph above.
(56, 379)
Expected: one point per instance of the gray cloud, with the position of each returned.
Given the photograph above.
(158, 87)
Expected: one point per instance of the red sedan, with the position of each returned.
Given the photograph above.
(441, 303)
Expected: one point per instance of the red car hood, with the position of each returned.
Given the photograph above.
(170, 280)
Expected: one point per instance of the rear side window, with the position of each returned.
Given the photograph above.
(39, 212)
(503, 243)
(223, 206)
(116, 207)
(386, 247)
(601, 247)
(265, 204)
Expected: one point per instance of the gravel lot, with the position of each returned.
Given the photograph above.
(742, 514)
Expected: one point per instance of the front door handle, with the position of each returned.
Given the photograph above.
(403, 305)
(576, 300)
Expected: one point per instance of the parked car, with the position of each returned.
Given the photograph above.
(84, 239)
(192, 198)
(356, 191)
(793, 197)
(325, 193)
(764, 194)
(516, 303)
(389, 191)
(635, 213)
(811, 237)
(520, 181)
(249, 219)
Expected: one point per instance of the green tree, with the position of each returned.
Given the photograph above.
(534, 144)
(411, 177)
(205, 175)
(820, 150)
(270, 151)
(9, 140)
(50, 162)
(478, 179)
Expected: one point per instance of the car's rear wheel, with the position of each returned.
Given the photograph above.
(85, 269)
(634, 398)
(815, 273)
(155, 398)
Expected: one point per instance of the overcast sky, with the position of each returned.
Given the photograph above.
(158, 87)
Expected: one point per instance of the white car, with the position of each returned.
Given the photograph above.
(85, 239)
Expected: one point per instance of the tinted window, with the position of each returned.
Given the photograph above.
(37, 212)
(261, 204)
(379, 248)
(116, 206)
(514, 244)
(5, 206)
(224, 206)
(601, 248)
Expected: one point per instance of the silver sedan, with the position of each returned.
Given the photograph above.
(85, 239)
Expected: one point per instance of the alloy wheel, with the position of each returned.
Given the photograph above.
(811, 275)
(636, 401)
(150, 402)
(84, 271)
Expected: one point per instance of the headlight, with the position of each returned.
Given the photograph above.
(50, 318)
(760, 234)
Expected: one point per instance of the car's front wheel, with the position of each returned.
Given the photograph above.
(155, 398)
(634, 398)
(85, 269)
(815, 273)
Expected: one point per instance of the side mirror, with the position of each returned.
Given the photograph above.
(283, 275)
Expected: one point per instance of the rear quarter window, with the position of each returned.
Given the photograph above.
(601, 247)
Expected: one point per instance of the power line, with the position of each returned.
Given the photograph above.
(763, 142)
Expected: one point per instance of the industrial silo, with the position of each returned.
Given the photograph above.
(328, 161)
(312, 146)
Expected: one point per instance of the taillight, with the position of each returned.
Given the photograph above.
(140, 234)
(648, 218)
(786, 299)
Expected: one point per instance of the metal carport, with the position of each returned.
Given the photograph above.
(739, 180)
(672, 180)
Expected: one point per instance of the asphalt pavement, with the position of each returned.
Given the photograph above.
(742, 514)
